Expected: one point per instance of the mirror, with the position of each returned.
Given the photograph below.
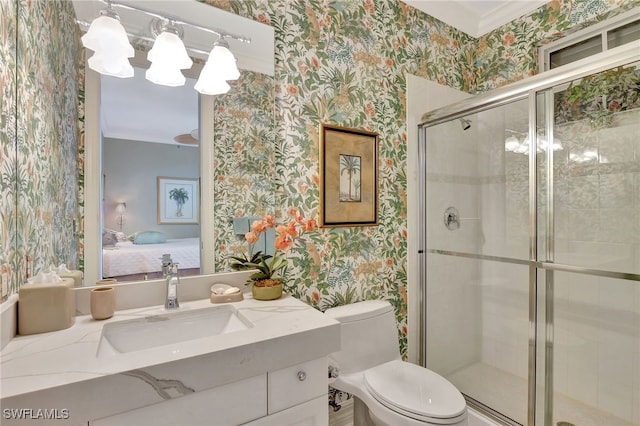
(236, 150)
(141, 124)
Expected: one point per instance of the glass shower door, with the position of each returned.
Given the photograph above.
(532, 247)
(477, 229)
(594, 241)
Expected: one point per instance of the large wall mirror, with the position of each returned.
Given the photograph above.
(143, 140)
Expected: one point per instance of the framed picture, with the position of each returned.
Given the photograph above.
(177, 201)
(348, 177)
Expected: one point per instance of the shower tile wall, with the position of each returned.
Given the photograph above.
(597, 194)
(504, 216)
(453, 311)
(597, 224)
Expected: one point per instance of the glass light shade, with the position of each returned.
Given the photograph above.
(511, 143)
(106, 32)
(168, 48)
(165, 74)
(108, 39)
(111, 65)
(211, 82)
(121, 208)
(222, 58)
(168, 56)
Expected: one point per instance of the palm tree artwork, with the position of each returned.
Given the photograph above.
(349, 168)
(180, 196)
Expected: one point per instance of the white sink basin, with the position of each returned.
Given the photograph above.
(169, 328)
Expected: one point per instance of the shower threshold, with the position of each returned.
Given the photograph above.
(507, 394)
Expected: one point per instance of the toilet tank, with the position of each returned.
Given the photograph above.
(369, 335)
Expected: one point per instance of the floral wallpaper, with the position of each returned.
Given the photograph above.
(244, 161)
(8, 257)
(40, 202)
(345, 62)
(597, 97)
(510, 53)
(341, 62)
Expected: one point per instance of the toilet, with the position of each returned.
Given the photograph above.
(387, 390)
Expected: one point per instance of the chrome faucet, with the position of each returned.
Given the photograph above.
(172, 287)
(166, 265)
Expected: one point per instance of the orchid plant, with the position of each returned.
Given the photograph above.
(269, 267)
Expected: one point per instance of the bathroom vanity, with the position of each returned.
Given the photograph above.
(258, 363)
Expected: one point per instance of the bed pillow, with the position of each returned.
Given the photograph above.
(149, 237)
(111, 237)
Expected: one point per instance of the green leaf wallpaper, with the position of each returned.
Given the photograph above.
(345, 62)
(39, 139)
(9, 261)
(340, 62)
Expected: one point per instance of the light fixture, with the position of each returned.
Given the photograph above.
(220, 68)
(168, 55)
(121, 208)
(108, 40)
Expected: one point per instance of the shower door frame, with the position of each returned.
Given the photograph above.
(529, 89)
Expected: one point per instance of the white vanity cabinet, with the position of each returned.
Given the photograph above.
(230, 404)
(273, 372)
(295, 395)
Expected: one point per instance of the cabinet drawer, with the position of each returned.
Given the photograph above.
(294, 385)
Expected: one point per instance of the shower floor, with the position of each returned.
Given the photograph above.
(508, 394)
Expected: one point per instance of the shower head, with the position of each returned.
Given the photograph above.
(466, 124)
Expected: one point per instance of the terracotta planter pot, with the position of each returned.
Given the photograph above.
(266, 292)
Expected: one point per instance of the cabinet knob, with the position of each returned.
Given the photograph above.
(302, 375)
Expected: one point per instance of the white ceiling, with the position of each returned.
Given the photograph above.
(476, 17)
(138, 110)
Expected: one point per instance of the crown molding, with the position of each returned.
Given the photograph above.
(467, 16)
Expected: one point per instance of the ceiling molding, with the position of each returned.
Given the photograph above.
(473, 17)
(507, 12)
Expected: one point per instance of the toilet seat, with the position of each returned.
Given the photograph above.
(415, 392)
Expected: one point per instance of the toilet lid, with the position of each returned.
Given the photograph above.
(414, 391)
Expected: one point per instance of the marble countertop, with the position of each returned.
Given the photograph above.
(281, 328)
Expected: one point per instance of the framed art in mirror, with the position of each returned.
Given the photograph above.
(177, 200)
(348, 177)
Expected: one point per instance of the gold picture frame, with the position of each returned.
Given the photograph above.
(348, 177)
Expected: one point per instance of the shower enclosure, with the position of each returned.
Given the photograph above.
(530, 253)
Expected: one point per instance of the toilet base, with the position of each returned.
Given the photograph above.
(362, 416)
